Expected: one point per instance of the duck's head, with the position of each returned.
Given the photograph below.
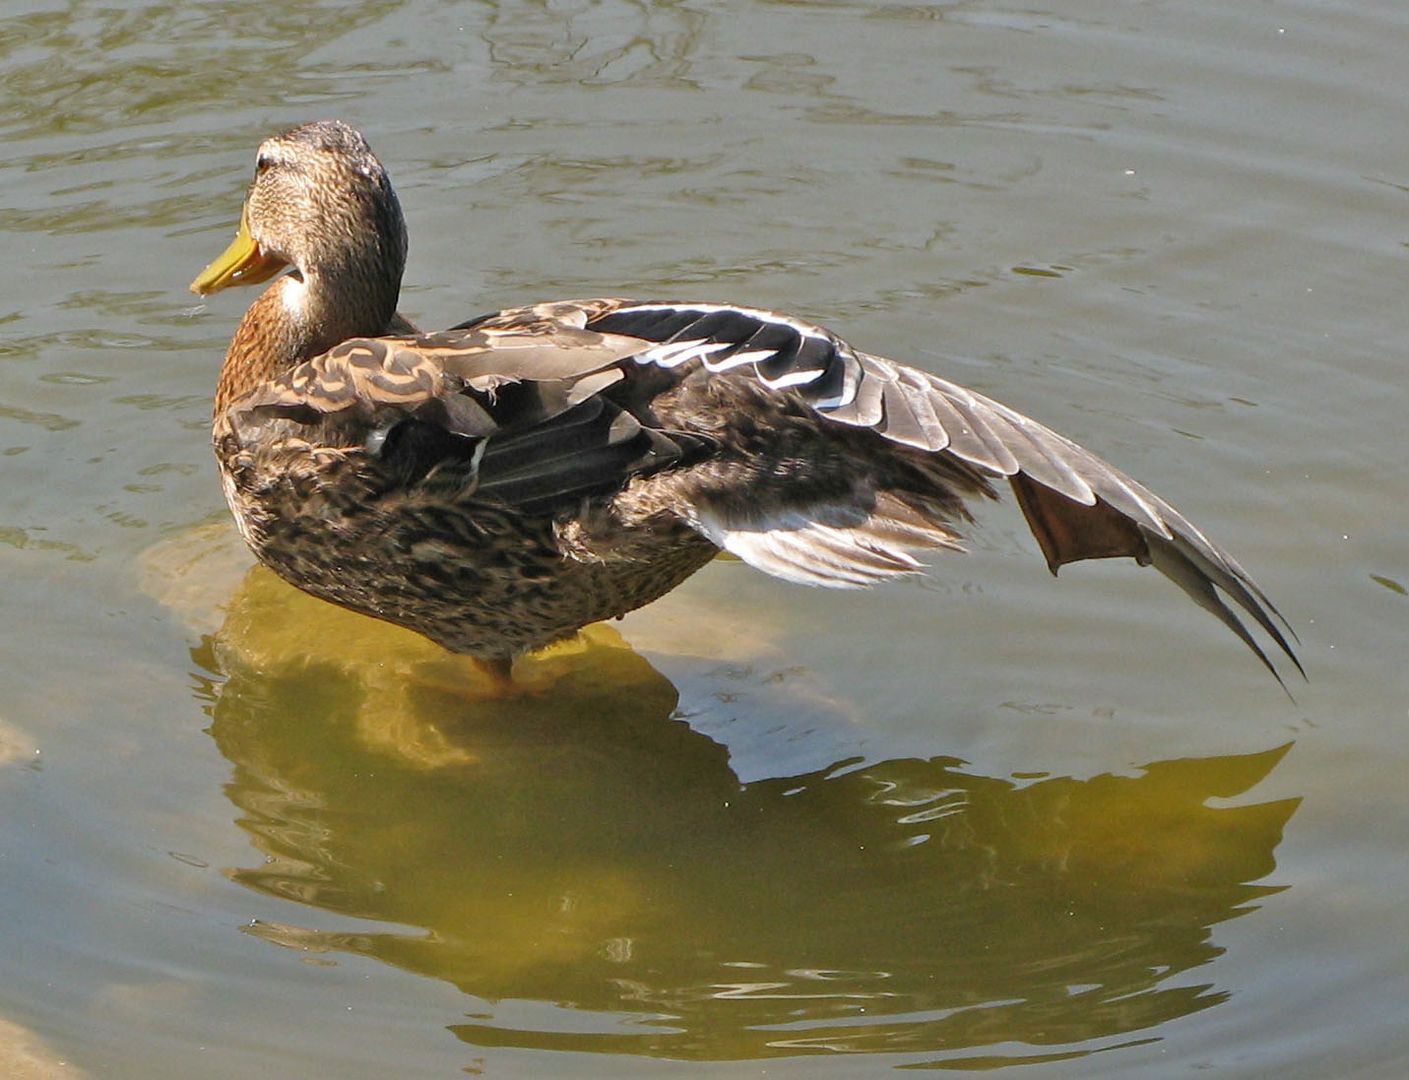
(322, 204)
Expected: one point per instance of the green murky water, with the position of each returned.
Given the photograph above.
(989, 819)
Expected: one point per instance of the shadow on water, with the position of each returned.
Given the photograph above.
(587, 867)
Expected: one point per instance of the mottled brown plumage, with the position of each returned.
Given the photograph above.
(499, 485)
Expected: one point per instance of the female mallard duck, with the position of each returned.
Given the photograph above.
(499, 485)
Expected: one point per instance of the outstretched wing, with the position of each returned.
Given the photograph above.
(1078, 506)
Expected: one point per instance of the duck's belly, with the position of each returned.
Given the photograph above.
(476, 579)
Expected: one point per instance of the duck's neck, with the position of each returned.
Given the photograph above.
(300, 316)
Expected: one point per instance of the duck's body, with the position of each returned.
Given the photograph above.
(500, 485)
(490, 557)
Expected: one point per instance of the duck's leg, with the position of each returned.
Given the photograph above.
(474, 678)
(500, 670)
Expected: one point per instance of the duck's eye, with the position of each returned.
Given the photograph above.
(263, 162)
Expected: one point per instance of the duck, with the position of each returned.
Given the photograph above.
(499, 485)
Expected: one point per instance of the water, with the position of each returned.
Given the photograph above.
(988, 819)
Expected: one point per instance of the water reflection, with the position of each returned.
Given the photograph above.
(587, 867)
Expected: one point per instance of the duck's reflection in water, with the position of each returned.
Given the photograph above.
(585, 850)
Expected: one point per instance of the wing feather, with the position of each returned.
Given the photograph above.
(818, 545)
(495, 412)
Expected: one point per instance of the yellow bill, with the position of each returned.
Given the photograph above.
(242, 263)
